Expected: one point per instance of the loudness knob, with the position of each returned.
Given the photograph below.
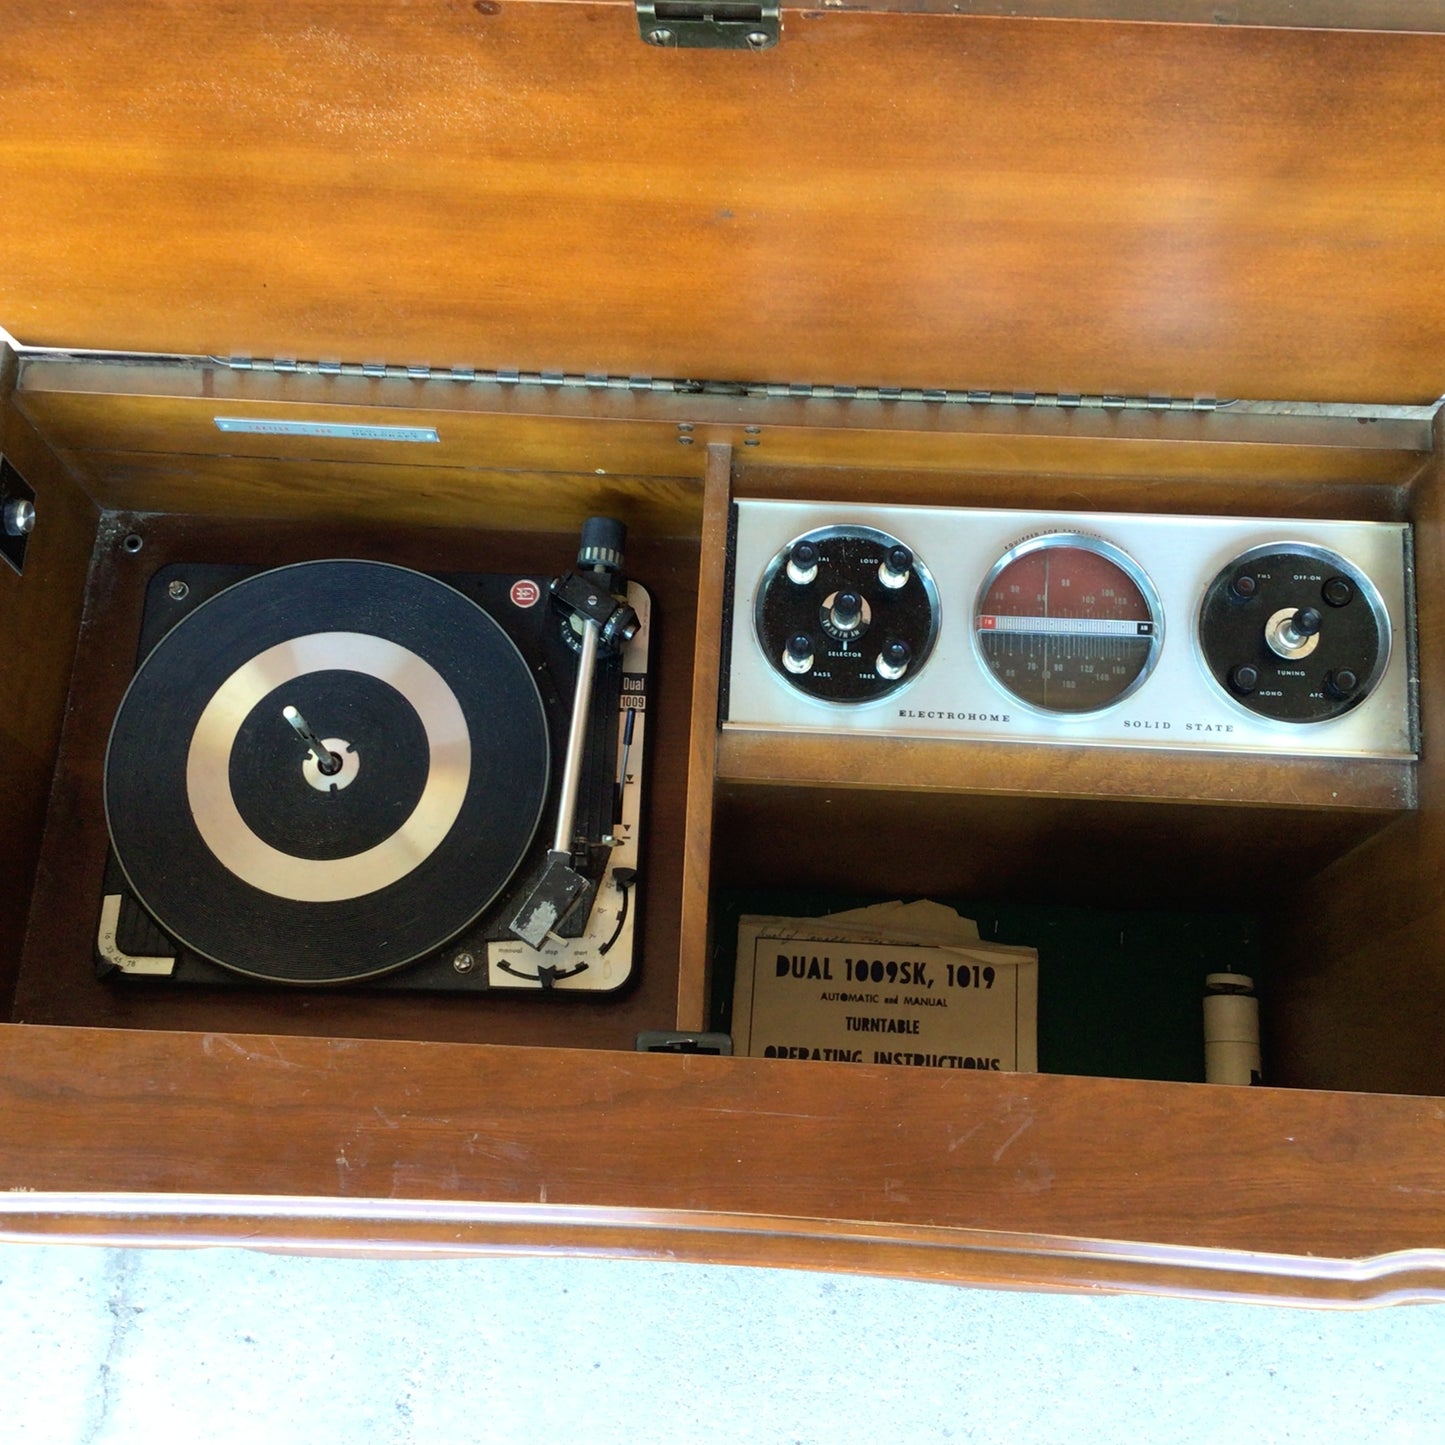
(798, 654)
(896, 568)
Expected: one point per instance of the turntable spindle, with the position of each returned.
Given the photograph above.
(327, 763)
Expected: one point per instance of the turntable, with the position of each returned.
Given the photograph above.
(349, 773)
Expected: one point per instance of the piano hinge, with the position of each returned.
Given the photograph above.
(749, 390)
(709, 24)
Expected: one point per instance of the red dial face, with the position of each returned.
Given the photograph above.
(1065, 627)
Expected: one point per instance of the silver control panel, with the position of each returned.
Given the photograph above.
(1225, 633)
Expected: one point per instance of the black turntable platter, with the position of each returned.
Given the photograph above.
(330, 863)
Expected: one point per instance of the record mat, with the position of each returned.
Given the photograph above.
(245, 852)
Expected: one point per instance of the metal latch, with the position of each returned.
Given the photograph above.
(17, 515)
(709, 24)
(675, 1041)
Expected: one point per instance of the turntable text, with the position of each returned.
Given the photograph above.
(908, 972)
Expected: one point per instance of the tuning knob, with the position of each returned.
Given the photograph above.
(803, 562)
(896, 568)
(1293, 634)
(798, 654)
(893, 661)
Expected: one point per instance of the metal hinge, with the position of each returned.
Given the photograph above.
(709, 24)
(751, 390)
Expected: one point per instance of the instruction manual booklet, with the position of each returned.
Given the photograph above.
(898, 983)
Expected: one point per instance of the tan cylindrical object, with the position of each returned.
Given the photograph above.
(1231, 1030)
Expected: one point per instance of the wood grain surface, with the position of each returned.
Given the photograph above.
(1313, 14)
(1001, 1178)
(40, 613)
(116, 421)
(925, 200)
(1079, 852)
(694, 951)
(1363, 946)
(938, 765)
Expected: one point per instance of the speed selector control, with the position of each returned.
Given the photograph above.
(1307, 640)
(846, 614)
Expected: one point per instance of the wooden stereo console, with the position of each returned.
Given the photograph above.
(431, 285)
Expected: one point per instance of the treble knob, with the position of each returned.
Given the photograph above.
(893, 661)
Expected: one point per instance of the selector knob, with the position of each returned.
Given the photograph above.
(1341, 682)
(1243, 588)
(896, 567)
(1244, 678)
(846, 611)
(893, 661)
(803, 563)
(798, 654)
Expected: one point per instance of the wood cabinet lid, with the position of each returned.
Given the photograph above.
(884, 199)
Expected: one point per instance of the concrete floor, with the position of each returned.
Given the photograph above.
(219, 1346)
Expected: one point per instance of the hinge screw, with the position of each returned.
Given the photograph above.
(178, 591)
(759, 39)
(20, 517)
(659, 36)
(464, 962)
